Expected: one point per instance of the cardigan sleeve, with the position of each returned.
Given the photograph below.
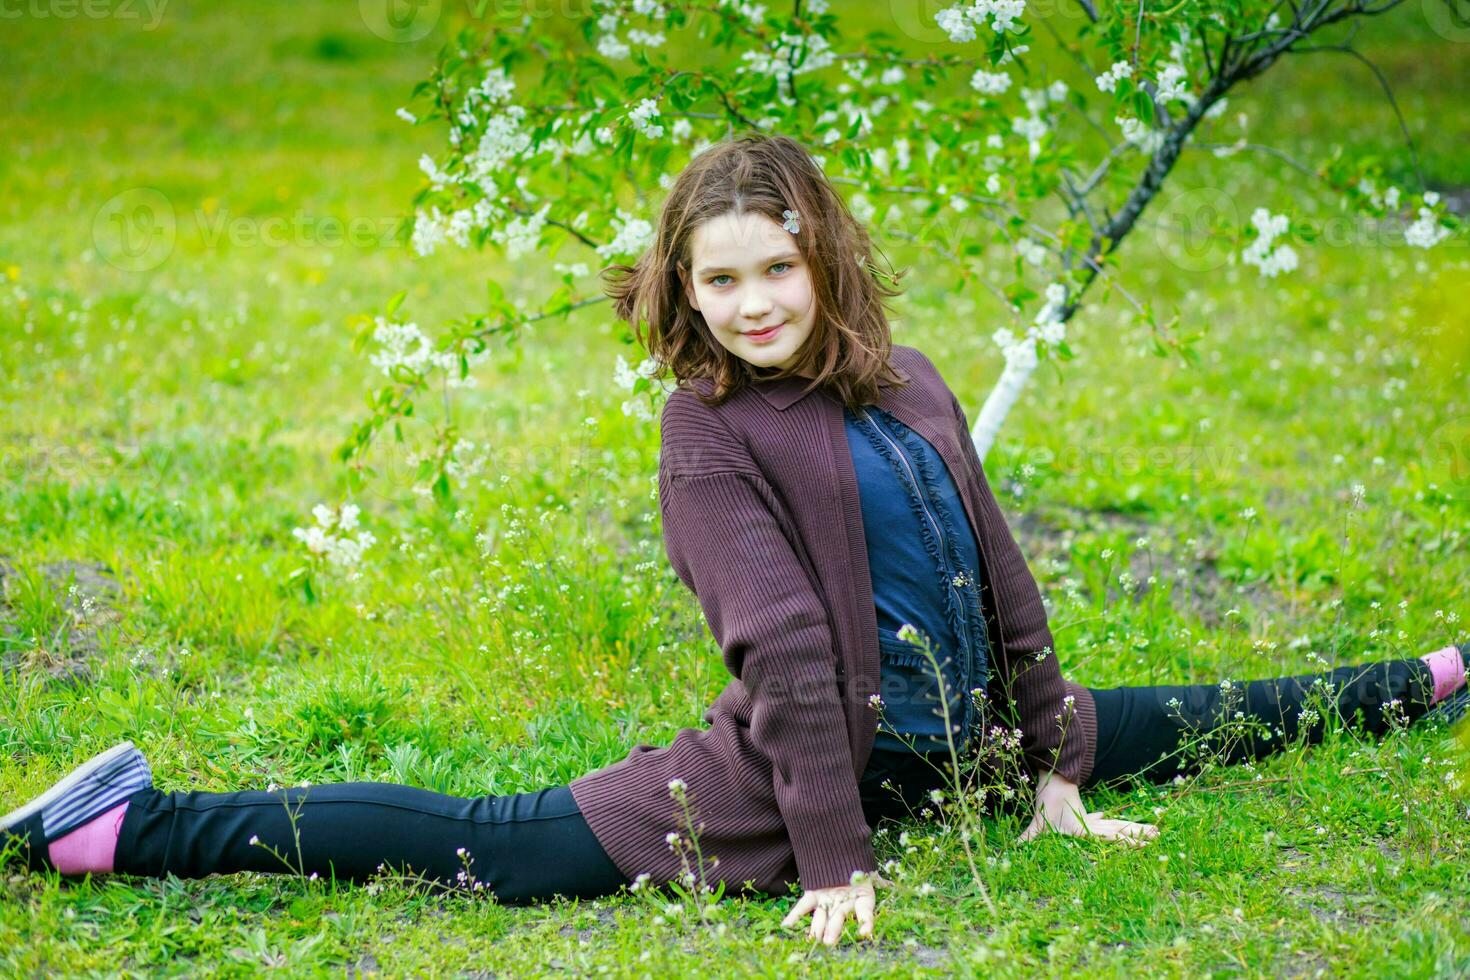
(726, 544)
(1052, 735)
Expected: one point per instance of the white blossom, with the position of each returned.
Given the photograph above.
(1032, 251)
(1259, 253)
(1173, 84)
(960, 22)
(633, 236)
(1108, 80)
(1135, 131)
(610, 46)
(520, 235)
(1426, 231)
(646, 38)
(330, 538)
(642, 117)
(990, 83)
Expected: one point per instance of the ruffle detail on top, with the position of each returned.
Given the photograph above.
(902, 654)
(952, 611)
(973, 617)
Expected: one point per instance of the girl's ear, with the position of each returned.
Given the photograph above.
(688, 286)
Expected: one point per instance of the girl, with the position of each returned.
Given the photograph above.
(822, 498)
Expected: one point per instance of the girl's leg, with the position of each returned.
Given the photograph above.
(1141, 730)
(896, 784)
(520, 846)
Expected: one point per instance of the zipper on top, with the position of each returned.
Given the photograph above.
(966, 699)
(903, 457)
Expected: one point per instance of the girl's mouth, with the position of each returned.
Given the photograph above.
(765, 335)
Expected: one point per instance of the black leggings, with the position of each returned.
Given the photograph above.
(1140, 733)
(529, 846)
(521, 846)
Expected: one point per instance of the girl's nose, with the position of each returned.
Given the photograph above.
(755, 305)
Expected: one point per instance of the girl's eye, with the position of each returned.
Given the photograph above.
(715, 281)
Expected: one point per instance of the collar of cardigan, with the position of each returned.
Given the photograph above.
(785, 392)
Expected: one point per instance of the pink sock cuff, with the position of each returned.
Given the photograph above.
(91, 847)
(1448, 669)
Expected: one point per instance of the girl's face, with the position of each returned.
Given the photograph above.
(748, 275)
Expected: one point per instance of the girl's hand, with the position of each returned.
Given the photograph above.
(1059, 809)
(830, 907)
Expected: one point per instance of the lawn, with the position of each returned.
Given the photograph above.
(168, 416)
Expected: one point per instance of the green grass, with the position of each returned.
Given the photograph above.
(175, 424)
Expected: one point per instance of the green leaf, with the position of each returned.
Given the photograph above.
(396, 302)
(302, 579)
(1143, 104)
(442, 491)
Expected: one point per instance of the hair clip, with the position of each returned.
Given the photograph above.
(792, 222)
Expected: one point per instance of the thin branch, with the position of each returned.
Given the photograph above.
(1115, 151)
(554, 222)
(1072, 50)
(1345, 48)
(953, 257)
(1138, 35)
(1257, 147)
(1081, 200)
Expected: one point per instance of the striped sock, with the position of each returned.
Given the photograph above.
(91, 847)
(1447, 666)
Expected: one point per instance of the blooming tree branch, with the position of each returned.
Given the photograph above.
(946, 152)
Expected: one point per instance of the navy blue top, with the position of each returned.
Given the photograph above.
(926, 571)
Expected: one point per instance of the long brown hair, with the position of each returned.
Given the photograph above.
(850, 342)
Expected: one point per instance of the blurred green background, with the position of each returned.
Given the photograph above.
(168, 414)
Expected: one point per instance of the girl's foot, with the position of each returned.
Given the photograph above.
(1451, 696)
(73, 826)
(1448, 669)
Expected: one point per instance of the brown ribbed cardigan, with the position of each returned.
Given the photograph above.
(761, 520)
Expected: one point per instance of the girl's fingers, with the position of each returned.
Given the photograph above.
(835, 922)
(819, 922)
(865, 904)
(803, 905)
(1126, 830)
